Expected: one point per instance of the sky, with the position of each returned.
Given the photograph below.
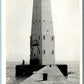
(66, 25)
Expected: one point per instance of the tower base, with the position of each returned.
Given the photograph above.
(27, 70)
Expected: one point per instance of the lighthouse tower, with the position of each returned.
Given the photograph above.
(42, 42)
(42, 49)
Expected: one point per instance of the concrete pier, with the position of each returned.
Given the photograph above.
(54, 76)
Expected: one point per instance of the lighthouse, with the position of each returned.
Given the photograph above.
(42, 40)
(42, 48)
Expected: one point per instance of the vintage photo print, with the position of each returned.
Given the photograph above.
(43, 41)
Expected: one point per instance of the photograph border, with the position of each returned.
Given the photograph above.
(0, 41)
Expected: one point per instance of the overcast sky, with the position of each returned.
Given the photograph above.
(66, 25)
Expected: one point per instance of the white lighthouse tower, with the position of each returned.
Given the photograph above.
(42, 49)
(42, 42)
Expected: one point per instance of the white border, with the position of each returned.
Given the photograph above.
(3, 41)
(81, 44)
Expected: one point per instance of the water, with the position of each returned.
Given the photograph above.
(73, 78)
